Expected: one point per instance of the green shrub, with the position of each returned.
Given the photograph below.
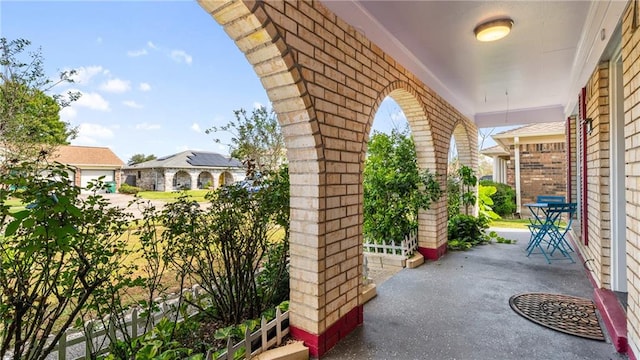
(504, 200)
(465, 231)
(128, 189)
(395, 188)
(485, 202)
(453, 195)
(61, 257)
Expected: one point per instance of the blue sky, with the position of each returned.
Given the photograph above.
(154, 75)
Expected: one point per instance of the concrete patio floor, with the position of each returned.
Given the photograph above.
(458, 308)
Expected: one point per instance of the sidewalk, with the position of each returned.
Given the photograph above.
(458, 308)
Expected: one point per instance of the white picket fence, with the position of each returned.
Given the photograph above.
(262, 334)
(78, 344)
(408, 246)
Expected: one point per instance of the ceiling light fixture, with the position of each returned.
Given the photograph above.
(493, 30)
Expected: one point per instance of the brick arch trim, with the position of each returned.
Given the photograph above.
(255, 34)
(408, 100)
(465, 144)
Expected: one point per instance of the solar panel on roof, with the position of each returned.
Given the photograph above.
(209, 159)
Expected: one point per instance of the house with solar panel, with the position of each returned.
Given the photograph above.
(187, 170)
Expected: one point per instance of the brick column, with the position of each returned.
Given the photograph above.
(326, 81)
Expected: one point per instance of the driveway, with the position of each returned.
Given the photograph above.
(123, 200)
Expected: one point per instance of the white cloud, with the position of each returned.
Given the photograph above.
(182, 148)
(90, 134)
(144, 86)
(84, 74)
(99, 40)
(84, 140)
(257, 105)
(223, 149)
(151, 45)
(132, 104)
(398, 116)
(116, 86)
(147, 126)
(196, 127)
(95, 130)
(181, 56)
(68, 113)
(92, 101)
(136, 53)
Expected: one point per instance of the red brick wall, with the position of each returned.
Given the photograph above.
(543, 170)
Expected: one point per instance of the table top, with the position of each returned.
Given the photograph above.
(537, 205)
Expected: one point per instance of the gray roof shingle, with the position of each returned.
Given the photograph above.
(190, 159)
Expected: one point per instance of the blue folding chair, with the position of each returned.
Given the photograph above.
(550, 199)
(560, 242)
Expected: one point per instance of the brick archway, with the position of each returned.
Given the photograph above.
(432, 233)
(319, 282)
(467, 147)
(467, 144)
(324, 79)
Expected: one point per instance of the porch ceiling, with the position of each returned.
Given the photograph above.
(532, 75)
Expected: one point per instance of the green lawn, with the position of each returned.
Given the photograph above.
(510, 223)
(515, 223)
(197, 195)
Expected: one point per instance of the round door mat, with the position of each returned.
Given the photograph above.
(568, 314)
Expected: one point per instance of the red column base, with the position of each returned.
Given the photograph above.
(613, 317)
(319, 344)
(433, 254)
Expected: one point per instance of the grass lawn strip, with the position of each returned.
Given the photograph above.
(170, 196)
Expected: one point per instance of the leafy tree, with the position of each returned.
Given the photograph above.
(140, 158)
(255, 137)
(394, 188)
(60, 258)
(29, 118)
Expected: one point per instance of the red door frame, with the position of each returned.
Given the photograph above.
(583, 200)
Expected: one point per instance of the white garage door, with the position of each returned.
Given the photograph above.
(92, 175)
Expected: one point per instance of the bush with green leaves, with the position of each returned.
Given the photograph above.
(395, 189)
(230, 249)
(504, 200)
(466, 231)
(60, 258)
(453, 195)
(128, 189)
(159, 343)
(485, 202)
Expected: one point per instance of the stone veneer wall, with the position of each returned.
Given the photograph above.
(326, 81)
(164, 177)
